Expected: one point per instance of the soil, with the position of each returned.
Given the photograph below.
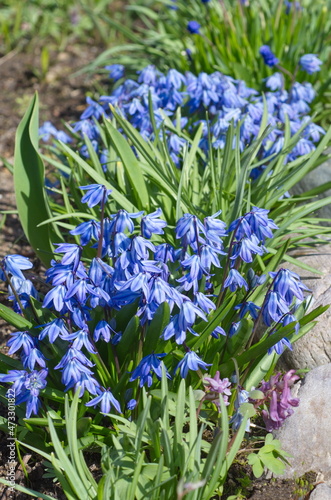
(62, 97)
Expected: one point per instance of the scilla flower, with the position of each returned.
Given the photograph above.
(310, 63)
(193, 27)
(269, 57)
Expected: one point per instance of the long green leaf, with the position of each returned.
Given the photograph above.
(131, 165)
(31, 201)
(27, 491)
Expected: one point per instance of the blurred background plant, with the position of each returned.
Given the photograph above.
(57, 22)
(226, 36)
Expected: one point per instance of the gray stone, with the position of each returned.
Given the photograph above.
(316, 178)
(306, 434)
(314, 348)
(321, 492)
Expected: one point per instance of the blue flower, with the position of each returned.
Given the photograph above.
(32, 357)
(215, 228)
(275, 81)
(24, 289)
(274, 308)
(72, 371)
(47, 130)
(193, 27)
(246, 248)
(80, 290)
(93, 110)
(204, 303)
(116, 71)
(248, 307)
(237, 418)
(34, 383)
(188, 229)
(55, 298)
(87, 230)
(19, 340)
(96, 193)
(131, 404)
(18, 377)
(148, 365)
(86, 382)
(175, 79)
(80, 339)
(280, 346)
(72, 254)
(122, 220)
(287, 283)
(234, 280)
(14, 265)
(191, 361)
(104, 330)
(53, 330)
(106, 401)
(165, 252)
(187, 315)
(234, 328)
(310, 63)
(269, 57)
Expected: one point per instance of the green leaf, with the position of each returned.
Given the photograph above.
(29, 177)
(14, 319)
(129, 339)
(156, 327)
(272, 462)
(131, 165)
(27, 491)
(258, 468)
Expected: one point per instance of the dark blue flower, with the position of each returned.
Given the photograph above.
(287, 283)
(96, 193)
(280, 346)
(87, 230)
(274, 308)
(193, 27)
(104, 330)
(268, 56)
(246, 248)
(148, 365)
(122, 220)
(131, 404)
(248, 307)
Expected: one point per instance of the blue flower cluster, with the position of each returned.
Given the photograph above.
(127, 269)
(223, 98)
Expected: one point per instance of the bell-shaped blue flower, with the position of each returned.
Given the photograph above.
(106, 400)
(191, 361)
